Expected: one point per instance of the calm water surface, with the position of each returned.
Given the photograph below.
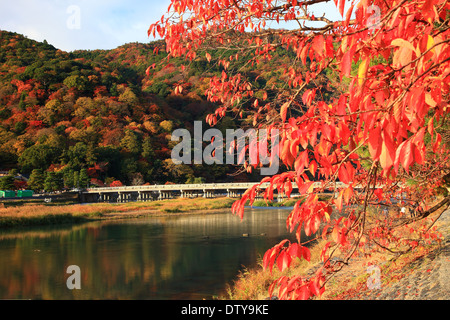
(190, 257)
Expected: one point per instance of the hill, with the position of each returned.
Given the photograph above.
(96, 117)
(92, 111)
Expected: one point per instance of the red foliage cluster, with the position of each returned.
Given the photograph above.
(371, 135)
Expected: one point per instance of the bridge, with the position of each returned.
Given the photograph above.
(170, 191)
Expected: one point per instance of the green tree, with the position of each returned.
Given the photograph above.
(76, 156)
(83, 178)
(38, 157)
(147, 149)
(53, 181)
(36, 181)
(128, 97)
(7, 182)
(130, 143)
(76, 179)
(20, 127)
(68, 177)
(78, 82)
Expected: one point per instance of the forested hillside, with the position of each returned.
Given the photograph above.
(98, 118)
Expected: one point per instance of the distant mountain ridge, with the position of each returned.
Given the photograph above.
(93, 110)
(99, 115)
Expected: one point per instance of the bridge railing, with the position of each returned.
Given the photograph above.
(191, 187)
(172, 187)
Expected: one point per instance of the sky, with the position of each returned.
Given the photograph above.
(82, 24)
(87, 24)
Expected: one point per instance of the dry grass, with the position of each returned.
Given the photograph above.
(51, 214)
(254, 284)
(350, 282)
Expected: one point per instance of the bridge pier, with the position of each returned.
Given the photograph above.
(105, 197)
(124, 197)
(280, 197)
(208, 193)
(146, 196)
(232, 193)
(164, 195)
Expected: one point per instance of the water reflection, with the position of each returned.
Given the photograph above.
(190, 257)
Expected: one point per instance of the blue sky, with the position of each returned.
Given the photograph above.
(82, 24)
(87, 24)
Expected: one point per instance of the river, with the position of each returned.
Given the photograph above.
(165, 258)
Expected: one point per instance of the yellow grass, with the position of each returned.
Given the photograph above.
(45, 214)
(254, 284)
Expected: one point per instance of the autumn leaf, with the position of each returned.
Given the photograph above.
(283, 111)
(375, 143)
(387, 155)
(399, 42)
(341, 7)
(362, 71)
(346, 65)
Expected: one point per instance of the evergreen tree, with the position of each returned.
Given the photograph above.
(83, 178)
(36, 181)
(7, 183)
(68, 178)
(53, 182)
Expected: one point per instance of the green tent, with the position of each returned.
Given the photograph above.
(7, 194)
(24, 193)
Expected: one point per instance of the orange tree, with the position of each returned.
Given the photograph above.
(380, 133)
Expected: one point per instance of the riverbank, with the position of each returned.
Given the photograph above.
(16, 214)
(418, 275)
(45, 214)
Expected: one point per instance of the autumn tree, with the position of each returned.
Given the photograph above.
(392, 60)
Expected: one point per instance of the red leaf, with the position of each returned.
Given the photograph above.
(306, 254)
(387, 155)
(437, 142)
(339, 201)
(294, 250)
(375, 143)
(341, 7)
(407, 155)
(289, 188)
(419, 154)
(324, 232)
(335, 234)
(283, 261)
(348, 192)
(343, 175)
(303, 292)
(283, 111)
(313, 167)
(318, 45)
(305, 187)
(308, 96)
